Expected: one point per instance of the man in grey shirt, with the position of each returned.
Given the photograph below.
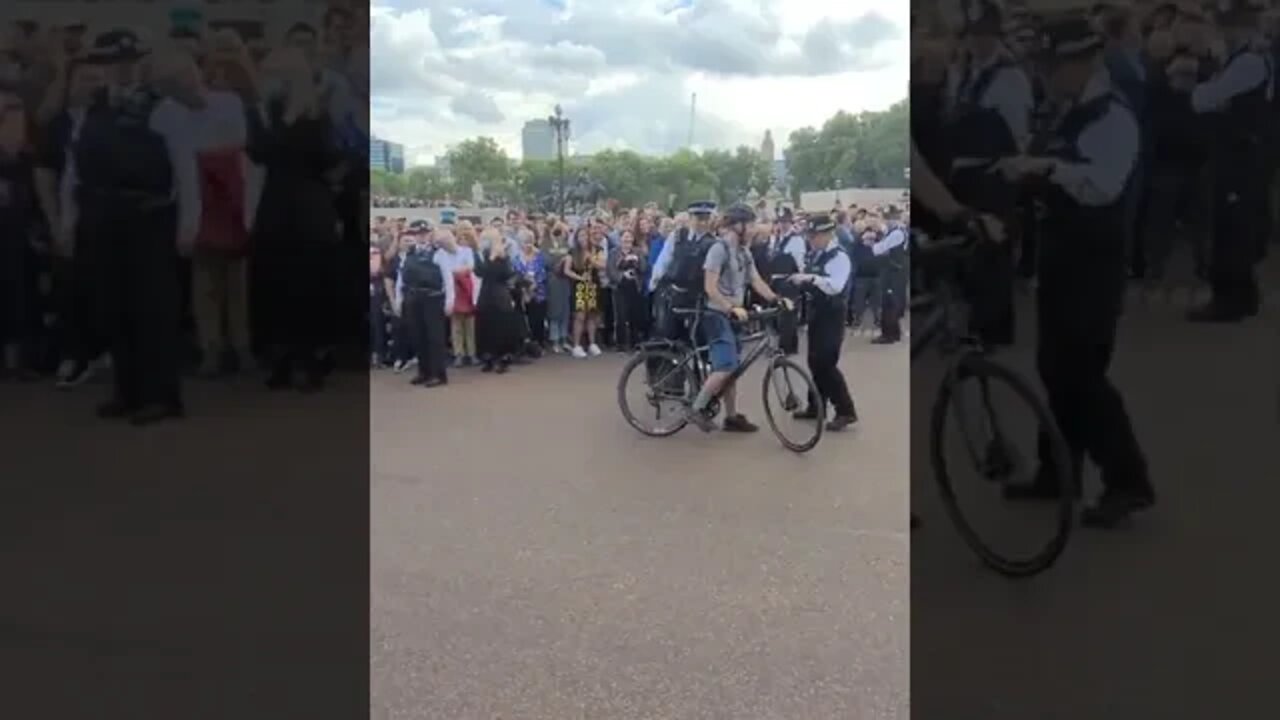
(729, 271)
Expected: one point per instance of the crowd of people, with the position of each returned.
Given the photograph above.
(1103, 140)
(151, 187)
(528, 284)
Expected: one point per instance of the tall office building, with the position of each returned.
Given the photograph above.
(538, 141)
(386, 156)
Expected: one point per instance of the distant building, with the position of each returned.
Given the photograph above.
(386, 156)
(766, 147)
(537, 141)
(779, 173)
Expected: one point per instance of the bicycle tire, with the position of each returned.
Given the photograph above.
(977, 366)
(641, 360)
(810, 390)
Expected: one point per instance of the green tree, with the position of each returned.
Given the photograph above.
(480, 160)
(425, 183)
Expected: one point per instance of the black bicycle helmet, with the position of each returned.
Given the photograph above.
(739, 213)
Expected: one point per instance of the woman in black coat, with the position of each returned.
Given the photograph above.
(294, 243)
(499, 326)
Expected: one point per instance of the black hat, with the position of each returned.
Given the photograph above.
(820, 223)
(417, 227)
(1067, 38)
(248, 30)
(702, 207)
(1238, 11)
(982, 17)
(115, 46)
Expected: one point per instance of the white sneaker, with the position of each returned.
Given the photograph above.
(398, 367)
(411, 363)
(578, 352)
(594, 350)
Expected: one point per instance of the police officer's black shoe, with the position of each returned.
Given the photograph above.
(1044, 487)
(739, 424)
(152, 414)
(840, 422)
(1215, 313)
(884, 340)
(488, 367)
(114, 409)
(435, 382)
(808, 413)
(418, 380)
(1115, 507)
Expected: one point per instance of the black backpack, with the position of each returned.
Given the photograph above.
(420, 272)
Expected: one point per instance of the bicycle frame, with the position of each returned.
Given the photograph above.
(765, 343)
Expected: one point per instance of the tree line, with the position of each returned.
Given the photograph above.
(867, 149)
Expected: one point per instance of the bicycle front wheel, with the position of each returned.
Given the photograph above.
(664, 383)
(998, 463)
(787, 390)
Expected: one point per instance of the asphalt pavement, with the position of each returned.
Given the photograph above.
(1168, 618)
(534, 557)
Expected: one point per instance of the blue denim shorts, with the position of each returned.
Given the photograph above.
(721, 341)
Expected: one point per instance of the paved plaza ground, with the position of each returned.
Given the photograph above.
(534, 557)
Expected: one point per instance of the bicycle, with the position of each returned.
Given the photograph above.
(676, 371)
(996, 461)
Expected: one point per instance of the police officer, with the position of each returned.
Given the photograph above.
(1082, 177)
(826, 279)
(426, 288)
(987, 108)
(684, 246)
(1239, 97)
(786, 257)
(892, 253)
(139, 201)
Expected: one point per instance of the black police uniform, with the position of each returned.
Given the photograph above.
(975, 137)
(1238, 158)
(779, 262)
(128, 207)
(424, 312)
(1077, 322)
(826, 333)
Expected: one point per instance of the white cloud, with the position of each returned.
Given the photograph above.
(624, 70)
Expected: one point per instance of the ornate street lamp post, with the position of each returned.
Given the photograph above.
(560, 125)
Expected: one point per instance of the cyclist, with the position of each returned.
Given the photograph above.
(826, 277)
(728, 271)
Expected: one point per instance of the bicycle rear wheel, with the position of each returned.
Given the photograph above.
(997, 461)
(787, 388)
(668, 384)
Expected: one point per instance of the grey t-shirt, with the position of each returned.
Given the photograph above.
(736, 272)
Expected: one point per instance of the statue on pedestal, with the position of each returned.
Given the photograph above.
(477, 194)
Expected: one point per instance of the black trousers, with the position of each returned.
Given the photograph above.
(424, 316)
(76, 336)
(535, 312)
(1074, 347)
(139, 297)
(1237, 196)
(826, 336)
(629, 315)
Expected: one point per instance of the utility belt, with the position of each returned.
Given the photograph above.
(144, 199)
(423, 292)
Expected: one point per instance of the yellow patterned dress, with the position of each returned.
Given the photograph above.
(586, 293)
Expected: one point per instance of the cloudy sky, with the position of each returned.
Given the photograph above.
(623, 70)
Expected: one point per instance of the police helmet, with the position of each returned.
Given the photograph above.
(818, 224)
(115, 46)
(1068, 37)
(702, 207)
(418, 227)
(1238, 12)
(739, 213)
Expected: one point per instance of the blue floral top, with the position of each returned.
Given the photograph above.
(536, 271)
